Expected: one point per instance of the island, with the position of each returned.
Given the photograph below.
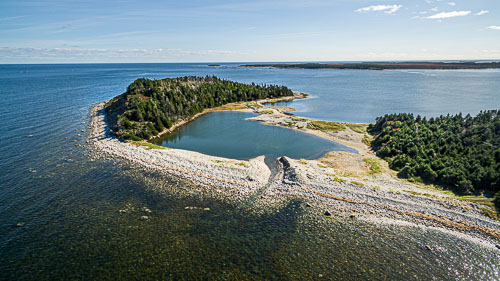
(401, 173)
(383, 65)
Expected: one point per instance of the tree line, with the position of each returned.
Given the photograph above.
(458, 152)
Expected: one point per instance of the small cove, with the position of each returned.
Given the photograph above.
(228, 134)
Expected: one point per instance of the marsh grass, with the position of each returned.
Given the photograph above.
(358, 128)
(326, 126)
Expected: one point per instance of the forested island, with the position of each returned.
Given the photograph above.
(384, 65)
(458, 152)
(150, 106)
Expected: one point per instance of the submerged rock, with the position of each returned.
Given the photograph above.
(144, 218)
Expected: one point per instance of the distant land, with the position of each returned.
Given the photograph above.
(384, 65)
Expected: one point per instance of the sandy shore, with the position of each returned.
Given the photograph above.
(340, 184)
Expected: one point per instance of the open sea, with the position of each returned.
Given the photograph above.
(60, 213)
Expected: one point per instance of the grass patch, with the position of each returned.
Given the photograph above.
(490, 213)
(414, 193)
(335, 178)
(253, 104)
(302, 161)
(146, 144)
(374, 165)
(299, 119)
(358, 128)
(244, 164)
(267, 111)
(367, 139)
(230, 106)
(358, 183)
(326, 126)
(322, 166)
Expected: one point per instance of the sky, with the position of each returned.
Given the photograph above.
(74, 31)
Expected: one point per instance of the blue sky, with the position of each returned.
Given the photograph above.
(57, 31)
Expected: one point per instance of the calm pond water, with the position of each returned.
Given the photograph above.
(230, 135)
(70, 204)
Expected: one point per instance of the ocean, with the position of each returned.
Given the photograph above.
(60, 209)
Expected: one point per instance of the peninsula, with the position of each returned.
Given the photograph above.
(148, 107)
(383, 65)
(350, 185)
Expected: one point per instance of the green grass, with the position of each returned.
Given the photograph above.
(358, 128)
(267, 111)
(326, 126)
(299, 119)
(322, 166)
(147, 144)
(414, 193)
(253, 104)
(367, 139)
(244, 164)
(374, 165)
(335, 178)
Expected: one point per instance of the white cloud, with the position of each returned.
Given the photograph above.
(11, 18)
(388, 9)
(482, 12)
(453, 4)
(435, 9)
(494, 27)
(447, 15)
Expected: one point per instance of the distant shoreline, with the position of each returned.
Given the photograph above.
(384, 65)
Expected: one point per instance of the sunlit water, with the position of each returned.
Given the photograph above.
(70, 205)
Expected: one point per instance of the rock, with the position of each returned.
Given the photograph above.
(122, 211)
(144, 218)
(428, 248)
(327, 213)
(206, 209)
(352, 215)
(20, 224)
(29, 136)
(498, 246)
(146, 209)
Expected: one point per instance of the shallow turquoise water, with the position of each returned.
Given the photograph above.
(70, 204)
(229, 134)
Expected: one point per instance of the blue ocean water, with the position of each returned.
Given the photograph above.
(67, 204)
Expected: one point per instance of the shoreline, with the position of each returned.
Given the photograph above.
(296, 95)
(339, 184)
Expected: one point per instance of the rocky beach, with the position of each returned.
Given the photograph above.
(340, 184)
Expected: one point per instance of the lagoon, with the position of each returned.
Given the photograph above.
(228, 134)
